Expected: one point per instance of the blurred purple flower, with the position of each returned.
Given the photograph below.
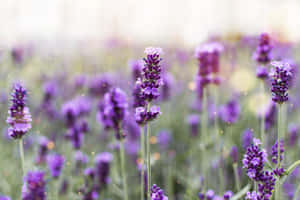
(34, 187)
(55, 164)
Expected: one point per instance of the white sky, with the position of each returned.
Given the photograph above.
(188, 21)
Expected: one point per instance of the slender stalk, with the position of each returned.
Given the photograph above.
(255, 186)
(142, 163)
(236, 176)
(296, 195)
(204, 134)
(262, 123)
(148, 156)
(219, 142)
(21, 149)
(122, 157)
(170, 182)
(277, 186)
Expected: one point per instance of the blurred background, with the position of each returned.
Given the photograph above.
(186, 22)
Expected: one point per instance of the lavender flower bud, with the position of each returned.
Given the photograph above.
(103, 161)
(157, 193)
(275, 151)
(263, 51)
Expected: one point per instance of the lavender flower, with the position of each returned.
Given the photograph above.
(151, 77)
(136, 68)
(247, 138)
(4, 198)
(157, 193)
(99, 85)
(138, 97)
(280, 79)
(113, 110)
(262, 72)
(230, 112)
(164, 139)
(254, 160)
(55, 164)
(293, 135)
(263, 52)
(19, 117)
(34, 187)
(193, 121)
(75, 135)
(80, 158)
(267, 186)
(275, 151)
(228, 195)
(210, 194)
(64, 187)
(103, 161)
(142, 116)
(166, 86)
(252, 196)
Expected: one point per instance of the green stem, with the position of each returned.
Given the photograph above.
(236, 176)
(292, 167)
(277, 186)
(148, 156)
(170, 182)
(21, 149)
(296, 195)
(262, 124)
(142, 163)
(122, 156)
(204, 135)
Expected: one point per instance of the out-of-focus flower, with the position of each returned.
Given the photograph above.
(64, 187)
(228, 195)
(193, 121)
(270, 115)
(4, 197)
(247, 138)
(234, 154)
(293, 135)
(42, 150)
(55, 164)
(103, 161)
(262, 72)
(19, 117)
(34, 187)
(99, 85)
(136, 68)
(230, 112)
(263, 51)
(112, 110)
(164, 139)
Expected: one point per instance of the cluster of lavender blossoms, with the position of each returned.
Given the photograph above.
(280, 79)
(157, 193)
(112, 110)
(148, 85)
(262, 55)
(19, 117)
(208, 57)
(254, 161)
(34, 187)
(275, 152)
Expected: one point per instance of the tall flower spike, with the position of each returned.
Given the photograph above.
(151, 73)
(262, 54)
(280, 79)
(19, 117)
(254, 161)
(34, 187)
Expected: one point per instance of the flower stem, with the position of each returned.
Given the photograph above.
(262, 123)
(204, 134)
(142, 163)
(148, 156)
(277, 186)
(122, 156)
(21, 149)
(236, 176)
(296, 195)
